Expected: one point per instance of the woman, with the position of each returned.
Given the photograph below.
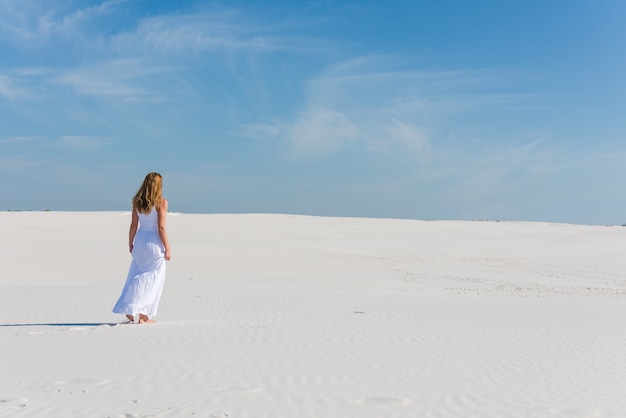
(150, 248)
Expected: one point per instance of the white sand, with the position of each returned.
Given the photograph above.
(294, 316)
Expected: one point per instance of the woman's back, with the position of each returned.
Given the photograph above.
(149, 221)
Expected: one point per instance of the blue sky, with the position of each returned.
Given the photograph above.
(496, 110)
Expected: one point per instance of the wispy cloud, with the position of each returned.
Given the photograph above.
(83, 142)
(405, 138)
(9, 87)
(192, 32)
(18, 140)
(321, 131)
(18, 166)
(259, 131)
(359, 103)
(95, 30)
(118, 78)
(77, 20)
(111, 59)
(17, 21)
(26, 83)
(489, 179)
(385, 106)
(39, 21)
(125, 79)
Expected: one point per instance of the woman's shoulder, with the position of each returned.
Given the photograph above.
(163, 204)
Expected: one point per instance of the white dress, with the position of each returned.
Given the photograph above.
(146, 276)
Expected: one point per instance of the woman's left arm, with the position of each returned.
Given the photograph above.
(161, 214)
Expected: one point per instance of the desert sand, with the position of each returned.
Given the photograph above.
(290, 316)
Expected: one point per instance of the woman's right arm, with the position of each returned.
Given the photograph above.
(134, 224)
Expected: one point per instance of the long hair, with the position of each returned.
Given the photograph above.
(149, 194)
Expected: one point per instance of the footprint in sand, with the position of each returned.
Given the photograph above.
(238, 389)
(382, 400)
(36, 332)
(75, 386)
(572, 412)
(14, 403)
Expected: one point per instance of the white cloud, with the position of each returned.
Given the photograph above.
(217, 31)
(386, 106)
(16, 19)
(118, 78)
(18, 140)
(9, 89)
(83, 142)
(357, 104)
(18, 165)
(105, 57)
(399, 138)
(37, 21)
(321, 131)
(78, 20)
(259, 131)
(96, 29)
(124, 79)
(495, 179)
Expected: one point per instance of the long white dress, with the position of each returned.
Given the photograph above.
(146, 276)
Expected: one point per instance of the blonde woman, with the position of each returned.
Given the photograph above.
(150, 248)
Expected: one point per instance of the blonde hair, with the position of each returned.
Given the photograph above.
(149, 194)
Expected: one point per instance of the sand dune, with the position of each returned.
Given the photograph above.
(296, 316)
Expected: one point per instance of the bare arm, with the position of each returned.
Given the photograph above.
(134, 224)
(162, 212)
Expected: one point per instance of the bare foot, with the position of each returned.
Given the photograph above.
(130, 318)
(143, 319)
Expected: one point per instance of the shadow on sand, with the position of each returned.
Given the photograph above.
(65, 324)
